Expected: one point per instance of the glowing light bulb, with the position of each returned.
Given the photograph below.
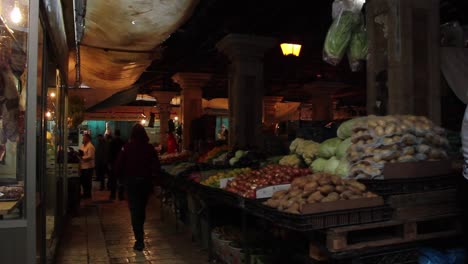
(52, 94)
(16, 15)
(48, 114)
(143, 121)
(176, 118)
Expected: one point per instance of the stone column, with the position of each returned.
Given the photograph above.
(269, 109)
(246, 88)
(164, 106)
(190, 100)
(404, 47)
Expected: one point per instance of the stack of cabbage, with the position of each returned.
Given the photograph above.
(332, 157)
(378, 140)
(301, 149)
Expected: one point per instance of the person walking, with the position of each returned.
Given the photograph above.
(101, 163)
(115, 147)
(172, 146)
(138, 165)
(87, 158)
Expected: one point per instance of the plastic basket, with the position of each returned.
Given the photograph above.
(310, 222)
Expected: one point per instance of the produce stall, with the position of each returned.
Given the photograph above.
(380, 185)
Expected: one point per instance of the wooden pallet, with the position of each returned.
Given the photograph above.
(392, 232)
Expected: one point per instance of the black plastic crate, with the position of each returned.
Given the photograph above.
(311, 222)
(412, 185)
(216, 195)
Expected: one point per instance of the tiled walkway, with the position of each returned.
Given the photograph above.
(103, 234)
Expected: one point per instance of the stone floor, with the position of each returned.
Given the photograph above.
(102, 233)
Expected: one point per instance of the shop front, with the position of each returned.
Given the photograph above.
(33, 124)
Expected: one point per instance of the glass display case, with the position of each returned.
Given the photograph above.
(13, 92)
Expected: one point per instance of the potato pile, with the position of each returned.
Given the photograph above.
(378, 140)
(317, 188)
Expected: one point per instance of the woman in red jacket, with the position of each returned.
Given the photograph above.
(138, 164)
(171, 143)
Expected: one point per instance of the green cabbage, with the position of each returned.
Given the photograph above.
(357, 50)
(342, 148)
(331, 165)
(318, 165)
(345, 130)
(339, 36)
(343, 168)
(328, 148)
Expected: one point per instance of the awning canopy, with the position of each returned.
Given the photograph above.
(121, 38)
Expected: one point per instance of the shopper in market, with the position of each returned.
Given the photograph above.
(138, 166)
(87, 161)
(172, 145)
(101, 162)
(114, 150)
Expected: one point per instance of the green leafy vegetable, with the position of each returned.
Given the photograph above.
(328, 148)
(358, 48)
(343, 168)
(342, 148)
(318, 165)
(339, 36)
(331, 165)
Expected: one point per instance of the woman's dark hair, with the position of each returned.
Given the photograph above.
(139, 134)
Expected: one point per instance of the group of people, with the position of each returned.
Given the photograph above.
(100, 160)
(134, 164)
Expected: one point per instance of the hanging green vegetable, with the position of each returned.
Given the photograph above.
(357, 51)
(339, 36)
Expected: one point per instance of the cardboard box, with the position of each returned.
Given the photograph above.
(420, 169)
(342, 205)
(267, 192)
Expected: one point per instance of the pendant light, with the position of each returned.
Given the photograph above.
(16, 15)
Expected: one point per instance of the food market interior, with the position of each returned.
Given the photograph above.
(332, 131)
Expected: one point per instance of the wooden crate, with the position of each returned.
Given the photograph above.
(419, 169)
(424, 204)
(392, 232)
(423, 198)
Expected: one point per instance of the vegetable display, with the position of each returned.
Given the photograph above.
(291, 160)
(378, 140)
(169, 158)
(317, 188)
(305, 149)
(246, 184)
(212, 154)
(328, 148)
(214, 180)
